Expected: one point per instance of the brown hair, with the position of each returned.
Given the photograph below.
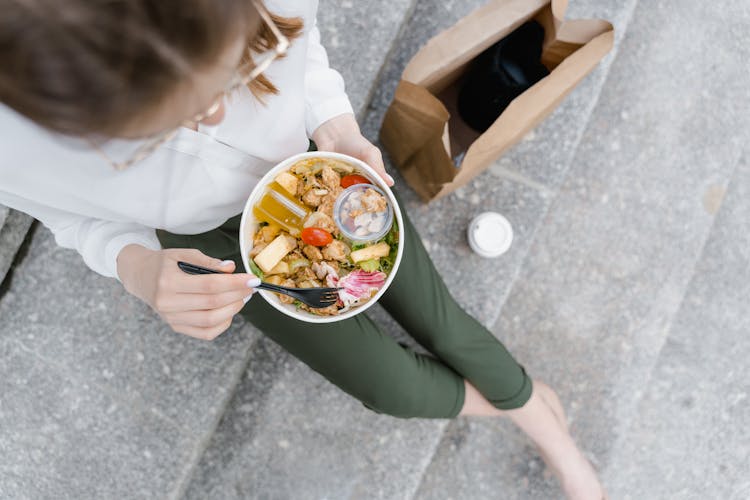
(85, 67)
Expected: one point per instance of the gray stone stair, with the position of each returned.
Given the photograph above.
(13, 228)
(99, 399)
(608, 306)
(612, 199)
(688, 437)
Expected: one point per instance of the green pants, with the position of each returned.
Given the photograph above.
(358, 357)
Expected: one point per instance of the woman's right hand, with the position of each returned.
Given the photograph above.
(200, 305)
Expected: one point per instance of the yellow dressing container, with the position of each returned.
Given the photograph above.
(277, 206)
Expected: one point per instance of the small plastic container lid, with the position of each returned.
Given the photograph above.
(372, 230)
(490, 234)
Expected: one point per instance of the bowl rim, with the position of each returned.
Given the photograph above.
(247, 218)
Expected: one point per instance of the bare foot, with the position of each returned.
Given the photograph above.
(577, 477)
(579, 481)
(575, 473)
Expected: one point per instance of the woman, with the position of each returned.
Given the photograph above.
(134, 131)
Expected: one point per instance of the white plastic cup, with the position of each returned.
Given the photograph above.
(490, 234)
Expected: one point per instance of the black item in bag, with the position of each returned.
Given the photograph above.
(500, 74)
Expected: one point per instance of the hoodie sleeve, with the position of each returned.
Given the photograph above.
(325, 96)
(98, 241)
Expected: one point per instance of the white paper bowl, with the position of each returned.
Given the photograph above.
(249, 225)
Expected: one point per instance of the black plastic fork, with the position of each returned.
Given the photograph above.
(317, 298)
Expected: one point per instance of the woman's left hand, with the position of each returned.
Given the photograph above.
(341, 134)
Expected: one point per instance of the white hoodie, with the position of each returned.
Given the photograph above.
(189, 185)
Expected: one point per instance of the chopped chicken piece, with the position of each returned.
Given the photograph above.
(336, 250)
(305, 273)
(313, 253)
(311, 182)
(302, 167)
(303, 307)
(308, 284)
(293, 255)
(326, 204)
(321, 220)
(323, 269)
(331, 310)
(301, 188)
(312, 199)
(331, 179)
(373, 201)
(286, 299)
(340, 166)
(258, 238)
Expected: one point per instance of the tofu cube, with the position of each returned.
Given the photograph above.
(280, 268)
(274, 252)
(275, 280)
(372, 252)
(287, 181)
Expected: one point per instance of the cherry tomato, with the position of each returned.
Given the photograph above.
(350, 180)
(316, 237)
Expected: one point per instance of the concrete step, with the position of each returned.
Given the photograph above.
(129, 402)
(688, 438)
(286, 429)
(289, 433)
(603, 287)
(359, 37)
(99, 398)
(13, 228)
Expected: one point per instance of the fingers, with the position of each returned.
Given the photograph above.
(215, 283)
(202, 301)
(194, 256)
(212, 284)
(207, 319)
(373, 157)
(204, 333)
(358, 146)
(200, 306)
(342, 135)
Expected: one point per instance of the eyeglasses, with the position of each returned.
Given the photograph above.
(248, 70)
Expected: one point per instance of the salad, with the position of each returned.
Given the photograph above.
(305, 239)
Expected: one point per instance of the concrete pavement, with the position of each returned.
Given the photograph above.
(625, 289)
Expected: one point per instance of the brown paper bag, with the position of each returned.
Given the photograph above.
(422, 130)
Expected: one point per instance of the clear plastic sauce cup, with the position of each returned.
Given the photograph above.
(359, 216)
